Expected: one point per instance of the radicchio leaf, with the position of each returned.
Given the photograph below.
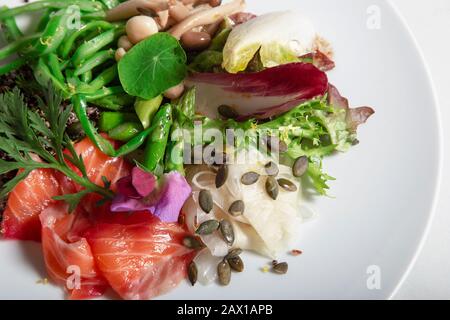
(258, 95)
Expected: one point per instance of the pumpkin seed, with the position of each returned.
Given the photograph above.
(206, 201)
(274, 144)
(249, 178)
(272, 188)
(193, 243)
(287, 185)
(236, 264)
(192, 273)
(208, 227)
(300, 166)
(233, 254)
(237, 208)
(280, 268)
(227, 112)
(226, 229)
(224, 272)
(222, 176)
(272, 169)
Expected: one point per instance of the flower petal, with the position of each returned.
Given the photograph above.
(144, 182)
(173, 195)
(122, 203)
(126, 188)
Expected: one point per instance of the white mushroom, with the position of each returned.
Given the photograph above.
(119, 54)
(174, 92)
(141, 27)
(179, 12)
(124, 43)
(129, 8)
(206, 17)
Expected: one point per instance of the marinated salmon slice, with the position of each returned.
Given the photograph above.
(35, 193)
(28, 199)
(68, 256)
(140, 261)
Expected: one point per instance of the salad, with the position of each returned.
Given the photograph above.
(148, 142)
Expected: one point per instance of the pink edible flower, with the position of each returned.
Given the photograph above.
(141, 191)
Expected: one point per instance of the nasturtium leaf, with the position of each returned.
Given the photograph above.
(152, 66)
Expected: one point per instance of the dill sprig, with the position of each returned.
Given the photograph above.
(38, 140)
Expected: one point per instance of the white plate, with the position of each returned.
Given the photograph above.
(385, 188)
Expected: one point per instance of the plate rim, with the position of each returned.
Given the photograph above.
(440, 154)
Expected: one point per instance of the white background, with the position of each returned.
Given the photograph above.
(429, 21)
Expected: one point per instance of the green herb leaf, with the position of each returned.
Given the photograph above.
(23, 132)
(153, 66)
(72, 199)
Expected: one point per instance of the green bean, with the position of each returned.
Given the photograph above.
(54, 66)
(104, 78)
(7, 68)
(99, 15)
(43, 21)
(115, 102)
(17, 46)
(175, 151)
(146, 109)
(68, 44)
(125, 131)
(53, 35)
(104, 92)
(109, 4)
(10, 28)
(157, 142)
(89, 48)
(44, 77)
(96, 60)
(184, 111)
(109, 120)
(86, 77)
(86, 6)
(80, 105)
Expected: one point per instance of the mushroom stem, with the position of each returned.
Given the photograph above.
(129, 8)
(206, 17)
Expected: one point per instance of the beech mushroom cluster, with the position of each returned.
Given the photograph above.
(193, 22)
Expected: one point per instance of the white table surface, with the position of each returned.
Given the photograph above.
(430, 23)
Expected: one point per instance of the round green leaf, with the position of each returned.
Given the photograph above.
(152, 66)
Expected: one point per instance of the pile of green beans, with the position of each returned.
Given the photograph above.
(79, 62)
(76, 56)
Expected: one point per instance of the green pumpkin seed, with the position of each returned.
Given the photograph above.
(206, 201)
(224, 272)
(287, 185)
(300, 166)
(227, 232)
(208, 227)
(233, 253)
(236, 264)
(280, 268)
(227, 112)
(193, 243)
(272, 188)
(192, 273)
(222, 176)
(272, 169)
(249, 178)
(237, 208)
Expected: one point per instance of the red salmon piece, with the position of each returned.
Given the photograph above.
(140, 261)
